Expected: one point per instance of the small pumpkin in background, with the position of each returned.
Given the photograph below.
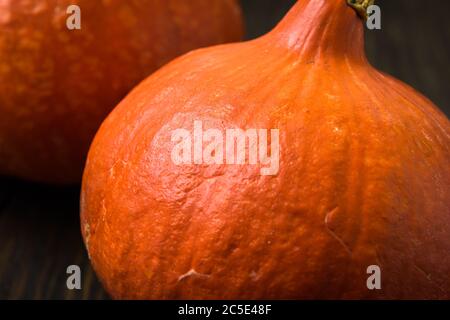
(57, 85)
(363, 177)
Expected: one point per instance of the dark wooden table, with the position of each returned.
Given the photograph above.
(39, 226)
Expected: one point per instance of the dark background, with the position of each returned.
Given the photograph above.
(39, 226)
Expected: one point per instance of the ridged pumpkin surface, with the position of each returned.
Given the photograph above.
(363, 180)
(57, 85)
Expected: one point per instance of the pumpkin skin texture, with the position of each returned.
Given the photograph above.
(363, 177)
(57, 85)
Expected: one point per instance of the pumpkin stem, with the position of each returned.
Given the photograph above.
(361, 6)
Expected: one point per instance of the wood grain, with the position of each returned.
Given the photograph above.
(39, 226)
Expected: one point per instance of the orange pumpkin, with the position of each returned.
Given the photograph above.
(57, 85)
(363, 179)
